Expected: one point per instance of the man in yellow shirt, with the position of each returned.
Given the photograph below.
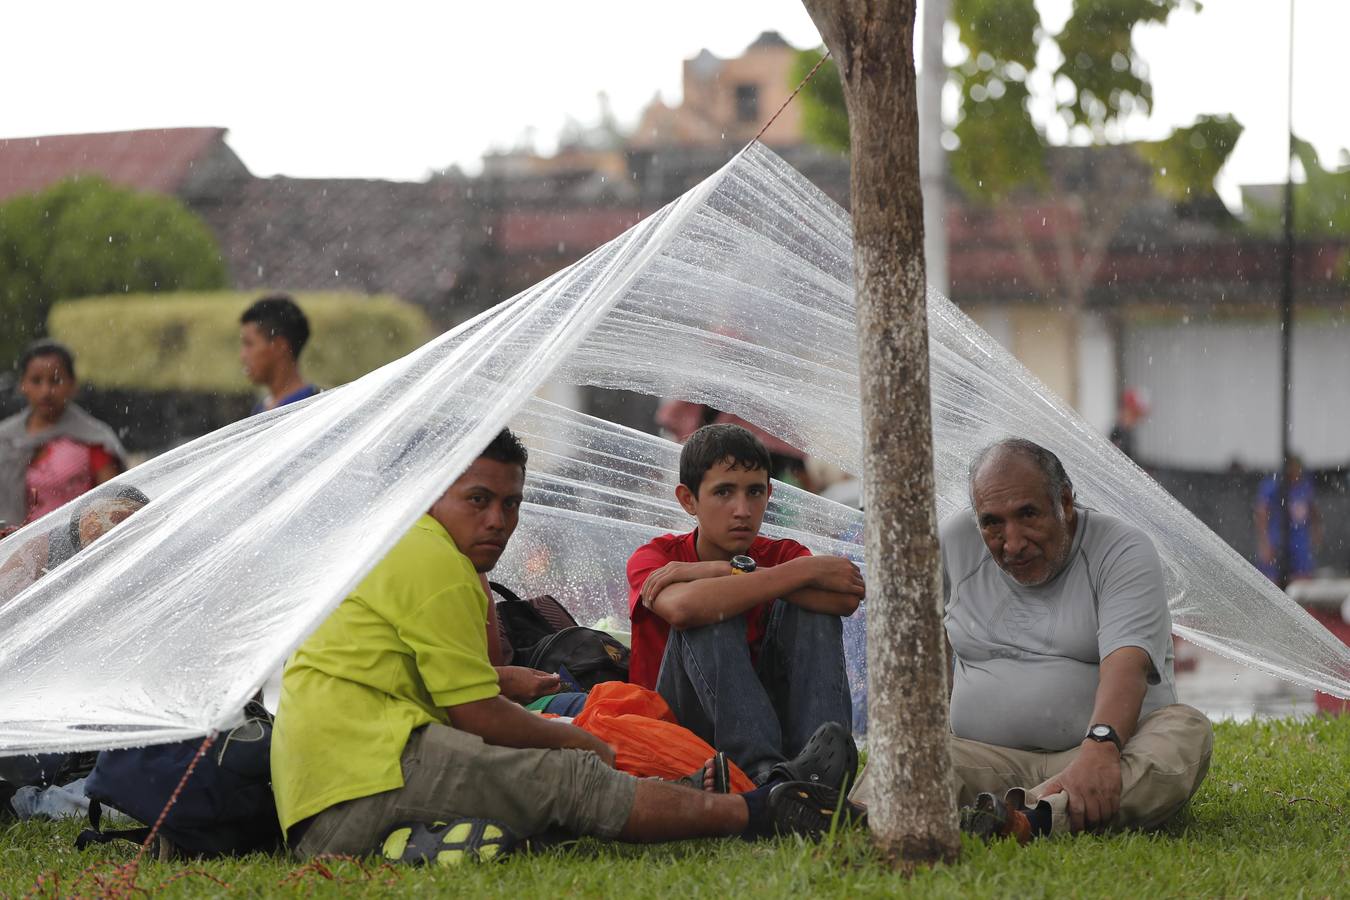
(391, 715)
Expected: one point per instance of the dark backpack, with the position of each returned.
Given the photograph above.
(225, 808)
(540, 633)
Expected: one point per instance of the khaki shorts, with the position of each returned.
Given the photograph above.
(449, 773)
(1163, 765)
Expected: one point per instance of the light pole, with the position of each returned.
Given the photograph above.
(1287, 322)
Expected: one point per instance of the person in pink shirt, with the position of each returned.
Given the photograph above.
(52, 451)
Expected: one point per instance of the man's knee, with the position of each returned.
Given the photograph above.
(1166, 762)
(806, 622)
(1184, 729)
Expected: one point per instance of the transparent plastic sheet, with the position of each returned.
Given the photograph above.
(738, 295)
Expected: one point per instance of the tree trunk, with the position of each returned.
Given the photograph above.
(913, 812)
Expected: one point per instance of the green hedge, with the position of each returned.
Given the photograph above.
(84, 236)
(190, 341)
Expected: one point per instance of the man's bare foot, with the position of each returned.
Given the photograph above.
(714, 776)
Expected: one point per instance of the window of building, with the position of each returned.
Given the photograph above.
(747, 103)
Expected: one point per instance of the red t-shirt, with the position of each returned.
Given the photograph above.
(650, 630)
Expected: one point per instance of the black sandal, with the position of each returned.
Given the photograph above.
(449, 843)
(721, 775)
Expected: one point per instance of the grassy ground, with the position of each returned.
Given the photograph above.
(1272, 819)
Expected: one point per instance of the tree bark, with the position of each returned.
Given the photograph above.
(913, 811)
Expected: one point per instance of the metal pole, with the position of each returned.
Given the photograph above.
(932, 158)
(1287, 324)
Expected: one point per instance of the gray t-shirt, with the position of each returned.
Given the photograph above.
(1027, 658)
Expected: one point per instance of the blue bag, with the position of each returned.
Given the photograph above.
(226, 807)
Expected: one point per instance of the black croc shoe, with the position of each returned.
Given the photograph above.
(829, 758)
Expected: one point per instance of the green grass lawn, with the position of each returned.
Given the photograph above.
(1272, 819)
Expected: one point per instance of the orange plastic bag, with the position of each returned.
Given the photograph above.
(646, 738)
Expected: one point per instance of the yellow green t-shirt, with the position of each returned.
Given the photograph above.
(408, 642)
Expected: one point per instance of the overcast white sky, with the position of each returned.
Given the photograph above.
(396, 89)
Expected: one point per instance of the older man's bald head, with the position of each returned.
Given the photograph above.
(1023, 504)
(1015, 451)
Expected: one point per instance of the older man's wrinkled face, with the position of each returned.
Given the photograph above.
(101, 515)
(1028, 532)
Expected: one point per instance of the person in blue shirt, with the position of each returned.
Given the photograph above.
(1305, 523)
(272, 333)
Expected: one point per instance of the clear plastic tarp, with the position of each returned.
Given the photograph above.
(738, 295)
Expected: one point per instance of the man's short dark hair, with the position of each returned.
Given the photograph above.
(1056, 479)
(47, 347)
(713, 444)
(276, 315)
(507, 448)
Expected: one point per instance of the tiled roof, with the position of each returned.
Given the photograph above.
(410, 239)
(158, 159)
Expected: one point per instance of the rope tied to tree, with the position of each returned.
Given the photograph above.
(809, 75)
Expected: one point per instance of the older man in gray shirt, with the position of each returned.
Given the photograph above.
(1063, 706)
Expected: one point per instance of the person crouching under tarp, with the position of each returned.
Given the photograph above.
(51, 784)
(392, 735)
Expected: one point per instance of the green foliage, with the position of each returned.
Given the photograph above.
(190, 342)
(824, 116)
(84, 236)
(1321, 202)
(1000, 148)
(998, 32)
(1271, 820)
(1321, 205)
(1101, 80)
(1188, 160)
(1100, 61)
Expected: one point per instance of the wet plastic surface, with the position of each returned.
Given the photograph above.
(738, 295)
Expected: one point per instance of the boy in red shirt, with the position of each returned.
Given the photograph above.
(739, 633)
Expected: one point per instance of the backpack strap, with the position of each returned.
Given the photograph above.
(553, 612)
(504, 592)
(93, 835)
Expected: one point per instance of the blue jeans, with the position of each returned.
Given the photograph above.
(758, 714)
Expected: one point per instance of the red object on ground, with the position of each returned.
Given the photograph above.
(1331, 618)
(647, 740)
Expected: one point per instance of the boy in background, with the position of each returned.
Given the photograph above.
(272, 333)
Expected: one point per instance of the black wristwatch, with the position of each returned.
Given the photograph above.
(1104, 734)
(742, 565)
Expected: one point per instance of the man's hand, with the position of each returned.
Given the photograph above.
(1092, 783)
(832, 573)
(677, 572)
(524, 685)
